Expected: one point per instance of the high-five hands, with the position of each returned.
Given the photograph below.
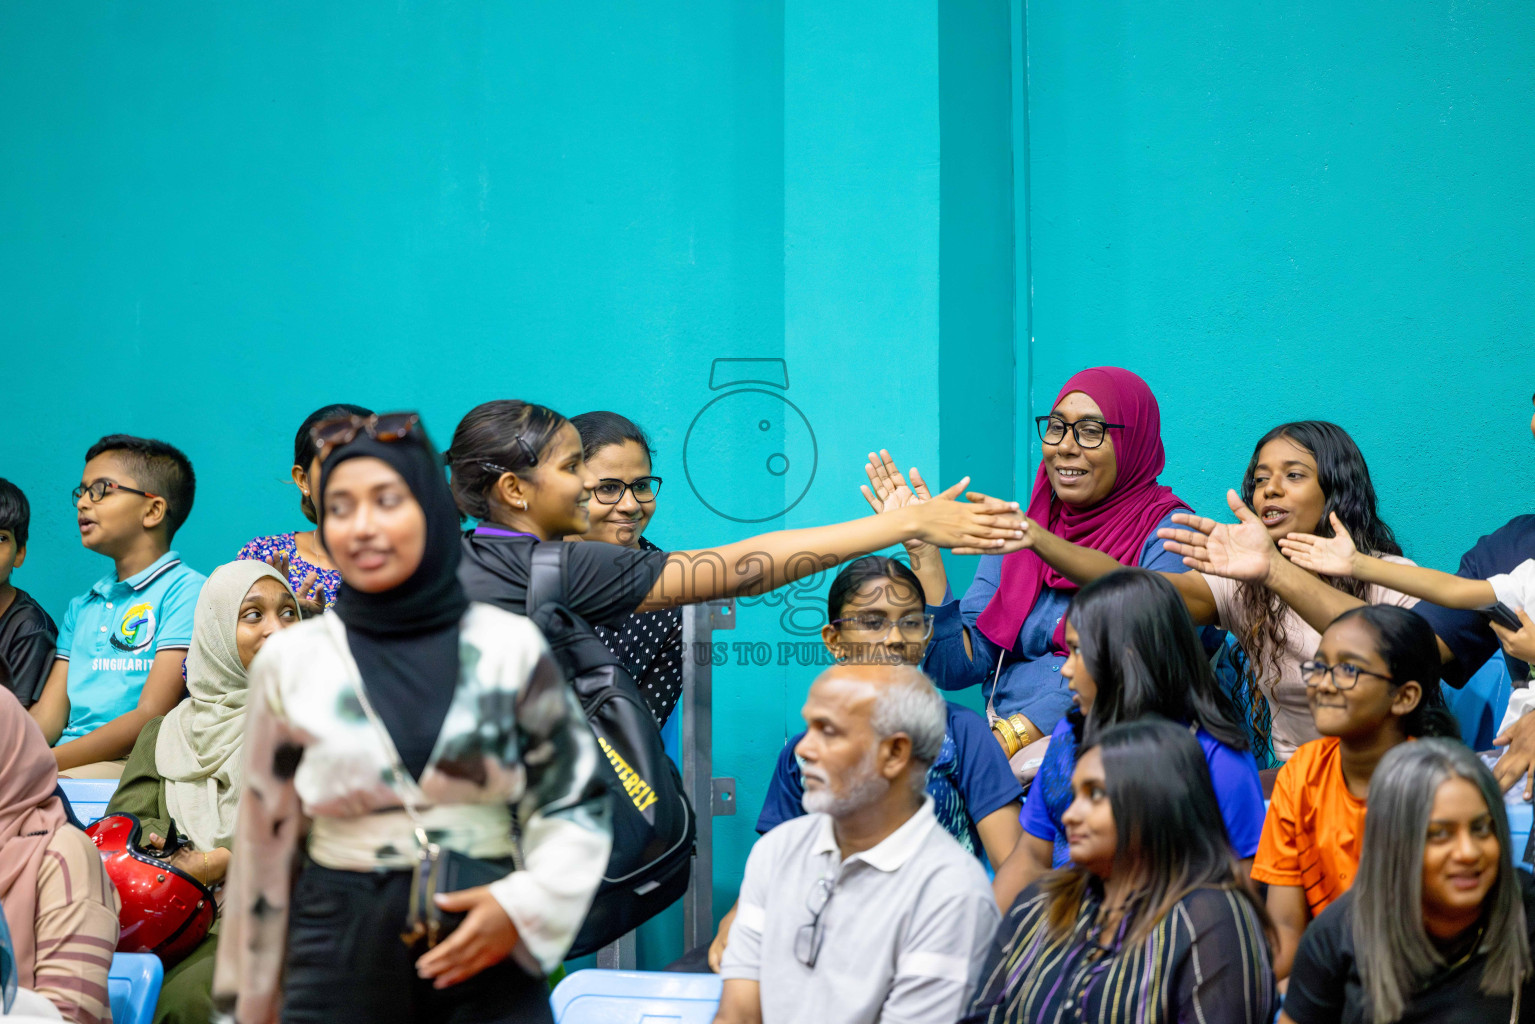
(1240, 551)
(1327, 556)
(887, 489)
(992, 526)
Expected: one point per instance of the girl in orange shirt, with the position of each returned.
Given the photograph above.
(1374, 684)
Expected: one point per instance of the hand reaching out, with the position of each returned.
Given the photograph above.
(1326, 556)
(887, 490)
(978, 525)
(1239, 551)
(1029, 532)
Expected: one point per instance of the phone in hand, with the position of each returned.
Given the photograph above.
(1501, 614)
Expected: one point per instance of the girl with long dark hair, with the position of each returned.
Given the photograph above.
(1437, 927)
(1134, 653)
(1299, 475)
(1152, 923)
(1368, 684)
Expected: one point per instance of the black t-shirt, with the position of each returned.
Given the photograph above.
(1325, 987)
(604, 582)
(1467, 633)
(27, 644)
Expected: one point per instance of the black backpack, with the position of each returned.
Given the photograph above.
(653, 823)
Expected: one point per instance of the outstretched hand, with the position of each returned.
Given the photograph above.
(887, 489)
(483, 939)
(1028, 533)
(1326, 556)
(1240, 551)
(978, 525)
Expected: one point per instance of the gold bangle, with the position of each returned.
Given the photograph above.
(1011, 733)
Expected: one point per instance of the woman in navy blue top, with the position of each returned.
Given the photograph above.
(1133, 653)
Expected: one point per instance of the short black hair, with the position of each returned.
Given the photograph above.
(305, 451)
(15, 513)
(600, 429)
(157, 467)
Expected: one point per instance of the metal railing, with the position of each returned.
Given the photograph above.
(711, 797)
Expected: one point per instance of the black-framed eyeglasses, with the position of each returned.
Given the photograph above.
(1344, 676)
(340, 430)
(1089, 433)
(807, 941)
(610, 491)
(100, 488)
(913, 629)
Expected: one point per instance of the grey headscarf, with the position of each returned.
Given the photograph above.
(199, 751)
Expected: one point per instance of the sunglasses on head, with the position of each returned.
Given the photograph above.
(340, 430)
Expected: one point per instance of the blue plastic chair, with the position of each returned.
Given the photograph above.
(671, 736)
(1520, 817)
(636, 997)
(88, 797)
(133, 985)
(1480, 704)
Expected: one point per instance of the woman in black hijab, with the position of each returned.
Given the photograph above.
(406, 716)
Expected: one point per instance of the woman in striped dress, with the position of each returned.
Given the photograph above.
(1152, 924)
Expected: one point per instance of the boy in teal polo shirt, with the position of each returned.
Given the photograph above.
(123, 641)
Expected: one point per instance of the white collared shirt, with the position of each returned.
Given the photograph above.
(903, 932)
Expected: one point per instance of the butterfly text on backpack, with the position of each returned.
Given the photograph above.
(638, 789)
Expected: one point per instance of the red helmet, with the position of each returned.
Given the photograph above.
(165, 910)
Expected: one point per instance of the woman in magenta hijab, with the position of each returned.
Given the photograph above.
(1097, 487)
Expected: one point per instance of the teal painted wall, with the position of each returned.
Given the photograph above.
(976, 300)
(1278, 212)
(214, 219)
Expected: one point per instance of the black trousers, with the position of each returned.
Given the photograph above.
(346, 962)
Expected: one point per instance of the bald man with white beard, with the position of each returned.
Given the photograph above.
(864, 909)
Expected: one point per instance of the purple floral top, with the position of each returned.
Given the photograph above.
(263, 548)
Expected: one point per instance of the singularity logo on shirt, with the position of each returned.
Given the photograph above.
(136, 631)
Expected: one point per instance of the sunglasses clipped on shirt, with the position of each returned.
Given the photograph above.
(807, 941)
(339, 430)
